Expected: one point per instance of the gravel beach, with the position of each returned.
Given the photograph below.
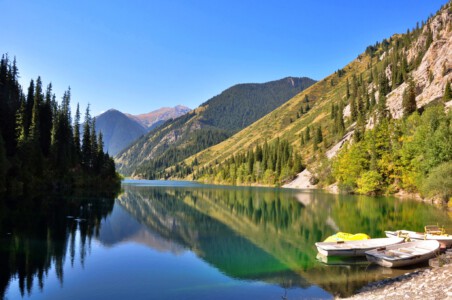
(431, 283)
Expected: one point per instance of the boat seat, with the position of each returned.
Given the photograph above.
(434, 229)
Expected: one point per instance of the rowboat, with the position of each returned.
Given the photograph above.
(404, 254)
(444, 239)
(354, 248)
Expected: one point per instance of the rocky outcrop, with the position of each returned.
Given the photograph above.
(435, 69)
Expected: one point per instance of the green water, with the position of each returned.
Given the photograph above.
(176, 240)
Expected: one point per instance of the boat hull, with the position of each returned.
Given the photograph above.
(404, 254)
(354, 248)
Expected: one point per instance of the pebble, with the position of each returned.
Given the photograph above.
(426, 284)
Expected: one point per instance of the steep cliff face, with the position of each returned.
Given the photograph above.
(435, 69)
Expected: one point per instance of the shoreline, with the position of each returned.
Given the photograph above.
(429, 283)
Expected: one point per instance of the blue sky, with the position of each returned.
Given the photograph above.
(137, 56)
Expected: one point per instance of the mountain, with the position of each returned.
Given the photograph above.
(120, 130)
(210, 123)
(157, 117)
(377, 125)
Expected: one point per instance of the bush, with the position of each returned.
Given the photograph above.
(439, 182)
(369, 182)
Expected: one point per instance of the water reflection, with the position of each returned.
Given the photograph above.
(251, 235)
(35, 235)
(266, 234)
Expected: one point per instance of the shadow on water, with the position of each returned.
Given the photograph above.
(35, 235)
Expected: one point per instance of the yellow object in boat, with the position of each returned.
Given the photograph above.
(343, 236)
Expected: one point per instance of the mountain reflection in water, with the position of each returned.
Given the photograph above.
(239, 237)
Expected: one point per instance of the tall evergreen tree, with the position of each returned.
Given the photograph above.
(409, 98)
(29, 106)
(34, 131)
(353, 109)
(94, 145)
(447, 92)
(77, 132)
(318, 135)
(307, 134)
(21, 134)
(46, 121)
(347, 93)
(86, 140)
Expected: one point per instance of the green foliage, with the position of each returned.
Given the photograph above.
(242, 104)
(447, 92)
(396, 154)
(173, 155)
(267, 164)
(439, 181)
(409, 98)
(211, 123)
(369, 182)
(37, 147)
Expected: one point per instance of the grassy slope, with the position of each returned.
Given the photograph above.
(277, 123)
(233, 109)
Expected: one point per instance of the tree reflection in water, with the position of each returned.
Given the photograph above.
(248, 234)
(36, 234)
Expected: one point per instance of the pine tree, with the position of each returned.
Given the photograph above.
(21, 135)
(46, 120)
(333, 111)
(29, 106)
(94, 145)
(34, 131)
(353, 109)
(100, 146)
(409, 98)
(319, 136)
(86, 140)
(307, 134)
(77, 132)
(373, 101)
(339, 125)
(447, 92)
(347, 94)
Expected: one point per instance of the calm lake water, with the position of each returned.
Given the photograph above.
(179, 240)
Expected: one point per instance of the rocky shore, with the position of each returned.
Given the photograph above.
(431, 283)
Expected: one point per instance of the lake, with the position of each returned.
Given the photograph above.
(182, 240)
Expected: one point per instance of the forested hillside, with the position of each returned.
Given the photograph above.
(209, 124)
(386, 113)
(40, 147)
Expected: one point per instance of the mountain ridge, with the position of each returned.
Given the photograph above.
(121, 129)
(371, 88)
(206, 125)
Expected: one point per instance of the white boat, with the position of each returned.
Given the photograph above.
(403, 254)
(354, 248)
(444, 239)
